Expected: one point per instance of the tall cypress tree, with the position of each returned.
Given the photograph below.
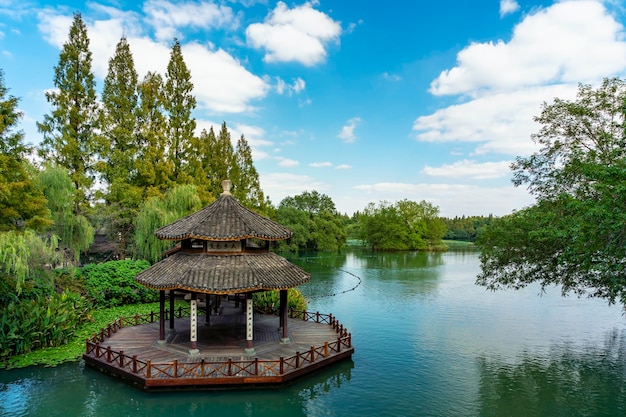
(222, 160)
(118, 117)
(179, 103)
(246, 178)
(68, 130)
(118, 144)
(154, 169)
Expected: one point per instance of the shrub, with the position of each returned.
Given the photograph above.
(50, 321)
(112, 283)
(269, 301)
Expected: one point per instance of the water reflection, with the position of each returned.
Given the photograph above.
(72, 390)
(565, 382)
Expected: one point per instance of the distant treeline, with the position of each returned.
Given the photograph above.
(466, 228)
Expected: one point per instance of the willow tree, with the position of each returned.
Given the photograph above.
(154, 169)
(74, 232)
(21, 203)
(68, 131)
(574, 236)
(22, 256)
(118, 145)
(179, 102)
(159, 211)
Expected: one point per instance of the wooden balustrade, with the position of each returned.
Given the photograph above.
(222, 369)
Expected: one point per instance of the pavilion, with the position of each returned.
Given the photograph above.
(223, 251)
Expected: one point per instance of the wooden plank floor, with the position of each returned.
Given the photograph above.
(220, 339)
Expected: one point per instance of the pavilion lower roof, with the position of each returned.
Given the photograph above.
(223, 274)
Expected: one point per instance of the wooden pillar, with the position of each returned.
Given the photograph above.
(284, 303)
(249, 350)
(193, 325)
(162, 340)
(172, 311)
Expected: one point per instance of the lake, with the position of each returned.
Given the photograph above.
(428, 342)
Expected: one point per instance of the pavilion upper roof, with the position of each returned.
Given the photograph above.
(224, 219)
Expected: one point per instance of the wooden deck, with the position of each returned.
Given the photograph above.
(134, 353)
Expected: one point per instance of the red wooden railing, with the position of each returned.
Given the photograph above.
(219, 369)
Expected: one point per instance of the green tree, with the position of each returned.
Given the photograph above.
(246, 179)
(153, 167)
(68, 131)
(574, 235)
(22, 204)
(118, 145)
(179, 104)
(74, 231)
(312, 203)
(159, 211)
(405, 225)
(313, 219)
(222, 160)
(200, 164)
(23, 257)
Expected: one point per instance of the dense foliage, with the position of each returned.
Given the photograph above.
(404, 225)
(574, 235)
(112, 283)
(314, 221)
(464, 228)
(31, 324)
(269, 301)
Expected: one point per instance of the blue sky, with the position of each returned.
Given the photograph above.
(361, 100)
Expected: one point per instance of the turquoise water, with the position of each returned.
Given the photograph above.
(428, 342)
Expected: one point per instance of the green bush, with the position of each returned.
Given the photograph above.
(112, 283)
(269, 301)
(30, 324)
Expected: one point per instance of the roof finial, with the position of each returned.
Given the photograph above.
(226, 184)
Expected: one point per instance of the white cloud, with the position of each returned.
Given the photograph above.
(569, 42)
(508, 7)
(391, 77)
(499, 123)
(470, 170)
(294, 35)
(168, 17)
(343, 167)
(452, 199)
(286, 162)
(297, 86)
(347, 131)
(321, 164)
(280, 185)
(504, 84)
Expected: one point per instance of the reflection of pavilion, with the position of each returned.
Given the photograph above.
(224, 252)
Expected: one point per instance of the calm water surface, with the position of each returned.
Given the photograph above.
(428, 342)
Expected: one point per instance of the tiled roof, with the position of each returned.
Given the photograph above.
(224, 219)
(223, 274)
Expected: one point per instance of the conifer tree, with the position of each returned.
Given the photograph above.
(200, 163)
(118, 145)
(222, 160)
(179, 103)
(246, 178)
(118, 117)
(153, 167)
(68, 130)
